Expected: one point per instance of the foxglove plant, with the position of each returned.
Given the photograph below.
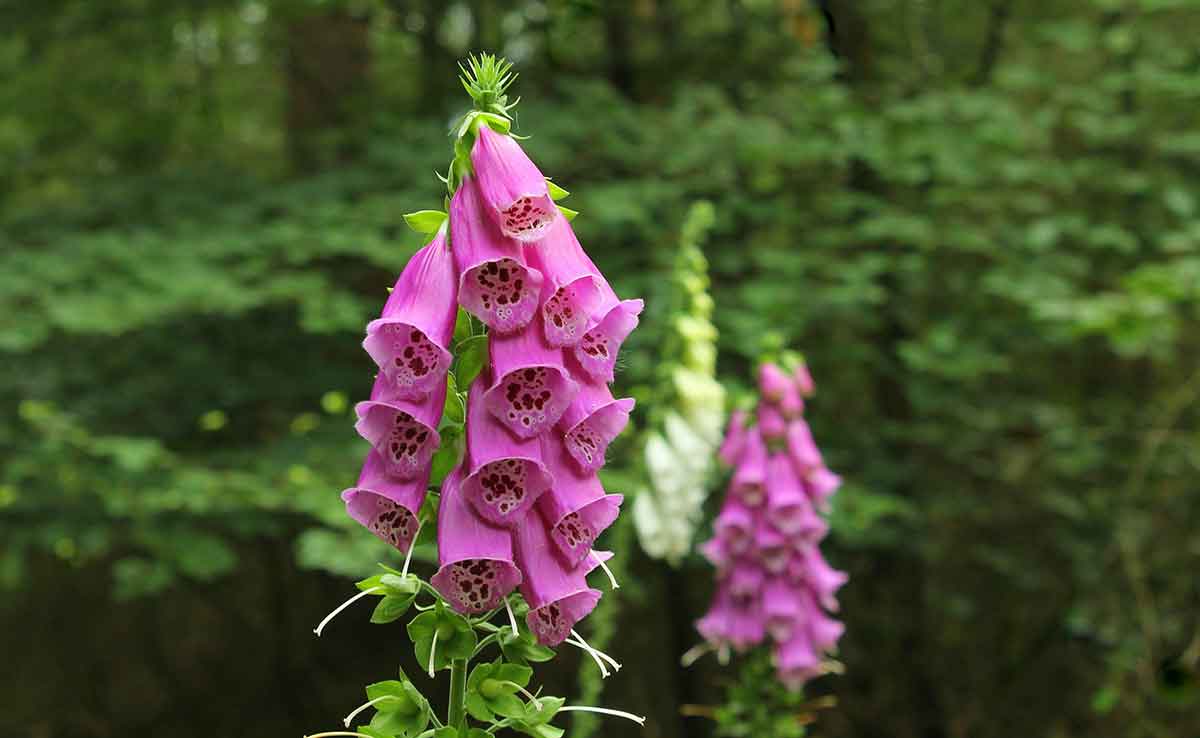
(679, 449)
(772, 581)
(494, 351)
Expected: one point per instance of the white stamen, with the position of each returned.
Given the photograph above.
(347, 720)
(512, 619)
(612, 580)
(411, 546)
(595, 657)
(612, 662)
(723, 654)
(336, 732)
(604, 711)
(693, 654)
(321, 626)
(432, 651)
(532, 697)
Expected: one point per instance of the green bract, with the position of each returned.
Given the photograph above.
(400, 709)
(492, 690)
(443, 635)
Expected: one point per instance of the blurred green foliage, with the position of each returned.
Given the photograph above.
(979, 220)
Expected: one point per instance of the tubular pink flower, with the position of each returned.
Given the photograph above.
(592, 421)
(511, 186)
(507, 474)
(403, 431)
(735, 438)
(809, 567)
(792, 404)
(597, 351)
(821, 484)
(384, 506)
(803, 449)
(532, 388)
(771, 423)
(576, 508)
(783, 606)
(735, 526)
(788, 505)
(804, 380)
(716, 550)
(772, 547)
(746, 578)
(823, 631)
(573, 289)
(732, 620)
(475, 558)
(750, 477)
(495, 285)
(411, 338)
(773, 383)
(797, 660)
(558, 595)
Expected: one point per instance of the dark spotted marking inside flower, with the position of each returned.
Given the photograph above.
(573, 532)
(404, 443)
(393, 523)
(504, 289)
(596, 345)
(528, 395)
(586, 444)
(525, 218)
(415, 359)
(549, 623)
(563, 318)
(502, 485)
(774, 557)
(475, 584)
(752, 493)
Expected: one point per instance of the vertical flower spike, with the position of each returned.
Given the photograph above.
(771, 423)
(773, 383)
(495, 285)
(572, 288)
(532, 388)
(591, 422)
(475, 558)
(803, 449)
(788, 505)
(410, 340)
(558, 595)
(783, 606)
(512, 188)
(507, 473)
(735, 438)
(384, 506)
(576, 508)
(403, 431)
(749, 480)
(597, 351)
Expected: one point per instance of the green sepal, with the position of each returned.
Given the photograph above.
(539, 730)
(471, 356)
(568, 213)
(556, 192)
(445, 732)
(478, 733)
(523, 648)
(373, 733)
(425, 221)
(391, 609)
(402, 710)
(459, 644)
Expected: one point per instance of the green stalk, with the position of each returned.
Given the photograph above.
(456, 715)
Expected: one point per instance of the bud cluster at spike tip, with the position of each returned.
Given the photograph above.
(524, 507)
(772, 581)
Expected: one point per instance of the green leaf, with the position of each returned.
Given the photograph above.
(556, 192)
(386, 688)
(447, 456)
(456, 638)
(463, 327)
(568, 213)
(375, 582)
(538, 730)
(368, 730)
(425, 221)
(470, 357)
(477, 706)
(399, 584)
(508, 705)
(523, 648)
(515, 673)
(454, 412)
(391, 608)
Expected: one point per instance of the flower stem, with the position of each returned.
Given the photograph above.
(456, 715)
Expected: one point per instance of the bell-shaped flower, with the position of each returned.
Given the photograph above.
(573, 290)
(792, 404)
(797, 660)
(783, 607)
(591, 422)
(716, 550)
(507, 474)
(532, 388)
(410, 340)
(496, 285)
(809, 567)
(804, 380)
(732, 620)
(692, 451)
(385, 506)
(558, 594)
(823, 631)
(773, 548)
(735, 525)
(773, 383)
(788, 505)
(821, 484)
(771, 423)
(750, 477)
(735, 438)
(475, 558)
(597, 351)
(662, 463)
(403, 431)
(576, 509)
(512, 188)
(746, 578)
(803, 449)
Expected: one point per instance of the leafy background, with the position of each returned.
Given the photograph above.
(978, 218)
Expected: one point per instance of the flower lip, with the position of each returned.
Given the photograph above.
(532, 388)
(552, 622)
(404, 440)
(592, 421)
(384, 506)
(406, 356)
(511, 186)
(598, 350)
